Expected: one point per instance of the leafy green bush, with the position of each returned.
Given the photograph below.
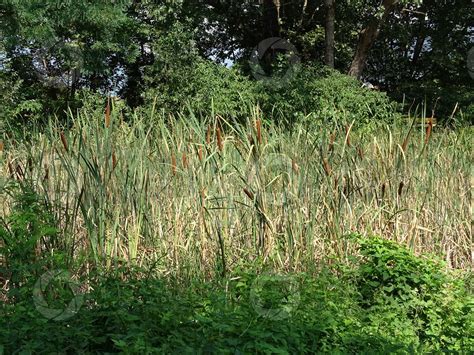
(434, 303)
(324, 95)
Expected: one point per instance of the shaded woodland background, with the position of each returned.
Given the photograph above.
(55, 54)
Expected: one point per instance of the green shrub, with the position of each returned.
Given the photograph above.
(434, 304)
(323, 95)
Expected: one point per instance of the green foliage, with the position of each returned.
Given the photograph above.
(28, 225)
(314, 93)
(146, 50)
(394, 271)
(51, 49)
(323, 95)
(180, 80)
(434, 304)
(128, 310)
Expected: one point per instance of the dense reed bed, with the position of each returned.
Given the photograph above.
(200, 197)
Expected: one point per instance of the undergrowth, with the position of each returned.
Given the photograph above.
(133, 312)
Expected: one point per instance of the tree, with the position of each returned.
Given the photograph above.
(329, 33)
(367, 37)
(56, 48)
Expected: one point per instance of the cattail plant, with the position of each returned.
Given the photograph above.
(64, 141)
(249, 194)
(220, 144)
(173, 164)
(326, 167)
(335, 192)
(107, 113)
(184, 160)
(400, 188)
(429, 128)
(208, 135)
(258, 125)
(114, 161)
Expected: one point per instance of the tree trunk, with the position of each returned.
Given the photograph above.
(303, 11)
(367, 38)
(271, 18)
(329, 33)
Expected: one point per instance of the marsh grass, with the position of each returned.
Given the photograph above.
(121, 195)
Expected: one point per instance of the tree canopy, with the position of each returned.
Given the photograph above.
(51, 49)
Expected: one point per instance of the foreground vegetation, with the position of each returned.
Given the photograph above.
(387, 301)
(189, 235)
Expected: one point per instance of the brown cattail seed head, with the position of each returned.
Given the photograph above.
(400, 188)
(429, 128)
(107, 113)
(200, 153)
(114, 161)
(249, 194)
(64, 141)
(259, 131)
(184, 160)
(220, 145)
(327, 167)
